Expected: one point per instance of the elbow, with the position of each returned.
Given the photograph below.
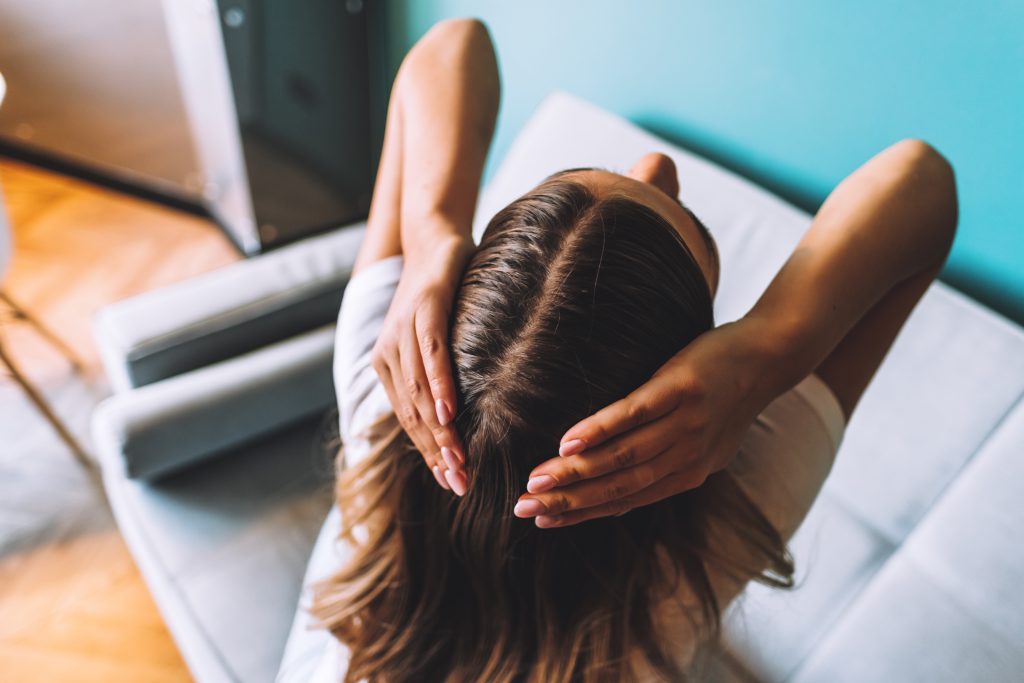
(927, 160)
(462, 27)
(934, 182)
(455, 38)
(453, 46)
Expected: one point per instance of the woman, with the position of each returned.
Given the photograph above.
(591, 292)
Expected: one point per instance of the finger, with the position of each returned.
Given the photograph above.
(457, 480)
(455, 474)
(416, 388)
(594, 492)
(440, 478)
(647, 403)
(406, 412)
(669, 485)
(436, 464)
(621, 452)
(431, 333)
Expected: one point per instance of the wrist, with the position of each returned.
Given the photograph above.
(439, 250)
(772, 349)
(433, 230)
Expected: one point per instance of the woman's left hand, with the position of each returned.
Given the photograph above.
(666, 437)
(411, 354)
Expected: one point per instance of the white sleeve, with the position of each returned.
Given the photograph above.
(788, 453)
(314, 655)
(361, 396)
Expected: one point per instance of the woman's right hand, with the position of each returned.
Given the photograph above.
(685, 423)
(411, 354)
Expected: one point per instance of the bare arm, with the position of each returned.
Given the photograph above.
(442, 113)
(441, 117)
(878, 241)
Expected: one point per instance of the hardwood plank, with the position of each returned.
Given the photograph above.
(74, 605)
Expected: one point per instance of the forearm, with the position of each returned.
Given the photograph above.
(449, 92)
(890, 222)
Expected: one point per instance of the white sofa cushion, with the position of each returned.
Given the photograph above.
(223, 545)
(948, 604)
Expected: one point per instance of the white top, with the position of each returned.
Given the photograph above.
(782, 463)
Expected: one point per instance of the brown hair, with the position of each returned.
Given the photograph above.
(570, 303)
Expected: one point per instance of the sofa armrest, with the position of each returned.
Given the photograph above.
(227, 312)
(156, 429)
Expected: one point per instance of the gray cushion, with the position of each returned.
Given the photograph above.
(159, 428)
(229, 311)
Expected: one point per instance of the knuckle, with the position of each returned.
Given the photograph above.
(696, 389)
(573, 473)
(408, 416)
(600, 433)
(637, 413)
(624, 455)
(613, 492)
(436, 384)
(430, 344)
(412, 385)
(558, 504)
(621, 507)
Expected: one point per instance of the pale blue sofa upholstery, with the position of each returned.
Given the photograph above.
(907, 565)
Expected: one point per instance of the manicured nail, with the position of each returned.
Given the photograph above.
(440, 479)
(450, 460)
(444, 416)
(530, 507)
(544, 482)
(548, 521)
(572, 447)
(457, 481)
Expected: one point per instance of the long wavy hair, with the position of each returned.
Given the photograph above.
(571, 302)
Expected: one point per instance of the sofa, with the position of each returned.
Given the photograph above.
(216, 450)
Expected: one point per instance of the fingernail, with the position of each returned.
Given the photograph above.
(456, 481)
(440, 479)
(449, 458)
(444, 416)
(544, 482)
(571, 447)
(548, 521)
(529, 508)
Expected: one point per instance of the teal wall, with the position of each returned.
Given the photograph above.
(794, 94)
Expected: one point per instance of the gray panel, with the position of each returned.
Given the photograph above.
(152, 430)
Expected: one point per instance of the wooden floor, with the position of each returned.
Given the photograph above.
(73, 606)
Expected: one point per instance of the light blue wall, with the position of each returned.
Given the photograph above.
(793, 94)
